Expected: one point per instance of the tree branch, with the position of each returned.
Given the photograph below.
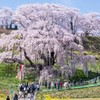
(25, 54)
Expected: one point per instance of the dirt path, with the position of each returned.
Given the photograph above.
(79, 99)
(28, 97)
(86, 99)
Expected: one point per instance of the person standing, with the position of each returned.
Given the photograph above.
(61, 84)
(38, 86)
(49, 85)
(15, 96)
(8, 98)
(58, 85)
(52, 85)
(55, 85)
(45, 84)
(65, 85)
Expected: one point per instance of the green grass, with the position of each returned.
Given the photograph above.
(91, 43)
(8, 73)
(92, 92)
(7, 77)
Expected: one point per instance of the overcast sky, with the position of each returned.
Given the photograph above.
(84, 5)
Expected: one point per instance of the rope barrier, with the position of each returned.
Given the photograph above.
(87, 84)
(72, 87)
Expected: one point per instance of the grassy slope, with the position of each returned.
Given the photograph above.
(91, 45)
(7, 78)
(93, 92)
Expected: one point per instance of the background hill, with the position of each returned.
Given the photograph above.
(91, 43)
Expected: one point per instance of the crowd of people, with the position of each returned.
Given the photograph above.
(25, 90)
(66, 84)
(56, 85)
(28, 89)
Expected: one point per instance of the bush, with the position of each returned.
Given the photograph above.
(78, 76)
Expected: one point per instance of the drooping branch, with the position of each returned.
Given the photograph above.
(25, 54)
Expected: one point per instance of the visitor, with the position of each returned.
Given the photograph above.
(21, 89)
(95, 80)
(69, 85)
(15, 96)
(25, 90)
(81, 81)
(65, 85)
(52, 85)
(49, 85)
(32, 88)
(28, 88)
(38, 86)
(55, 85)
(61, 84)
(58, 85)
(74, 81)
(45, 84)
(29, 91)
(8, 98)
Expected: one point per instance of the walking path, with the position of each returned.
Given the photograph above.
(76, 87)
(73, 87)
(70, 99)
(65, 99)
(29, 97)
(26, 98)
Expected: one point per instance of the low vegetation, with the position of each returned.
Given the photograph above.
(8, 82)
(92, 92)
(92, 43)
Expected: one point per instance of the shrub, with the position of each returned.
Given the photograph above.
(78, 76)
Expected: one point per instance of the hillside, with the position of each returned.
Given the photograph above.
(91, 92)
(91, 43)
(91, 46)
